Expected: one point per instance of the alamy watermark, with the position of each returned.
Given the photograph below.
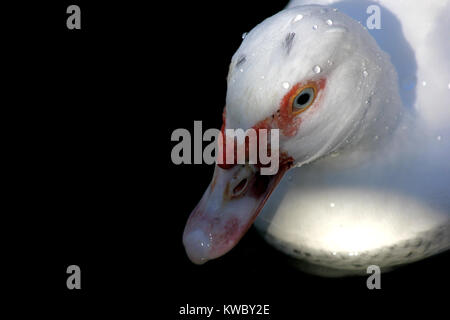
(374, 280)
(374, 20)
(74, 20)
(234, 146)
(74, 280)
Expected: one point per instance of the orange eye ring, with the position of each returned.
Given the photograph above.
(307, 93)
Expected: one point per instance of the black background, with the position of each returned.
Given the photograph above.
(92, 183)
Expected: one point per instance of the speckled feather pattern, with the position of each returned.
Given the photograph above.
(424, 245)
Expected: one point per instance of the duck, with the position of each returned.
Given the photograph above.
(364, 139)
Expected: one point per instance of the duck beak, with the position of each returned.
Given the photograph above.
(227, 209)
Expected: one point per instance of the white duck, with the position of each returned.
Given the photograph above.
(369, 184)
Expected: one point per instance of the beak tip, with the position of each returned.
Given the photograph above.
(197, 246)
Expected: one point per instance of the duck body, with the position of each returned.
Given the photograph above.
(386, 202)
(340, 215)
(371, 174)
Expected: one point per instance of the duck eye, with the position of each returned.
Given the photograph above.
(303, 100)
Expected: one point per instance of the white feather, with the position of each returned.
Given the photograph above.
(372, 182)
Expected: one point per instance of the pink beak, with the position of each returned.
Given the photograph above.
(227, 209)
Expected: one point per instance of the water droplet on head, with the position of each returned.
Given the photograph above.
(365, 73)
(262, 77)
(375, 138)
(332, 205)
(298, 18)
(330, 63)
(449, 85)
(439, 138)
(334, 9)
(424, 83)
(315, 27)
(317, 69)
(286, 85)
(244, 35)
(241, 70)
(329, 22)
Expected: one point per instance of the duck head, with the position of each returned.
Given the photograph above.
(310, 73)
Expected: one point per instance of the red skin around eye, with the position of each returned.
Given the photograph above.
(289, 122)
(282, 119)
(222, 147)
(222, 154)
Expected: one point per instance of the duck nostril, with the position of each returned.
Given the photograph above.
(240, 187)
